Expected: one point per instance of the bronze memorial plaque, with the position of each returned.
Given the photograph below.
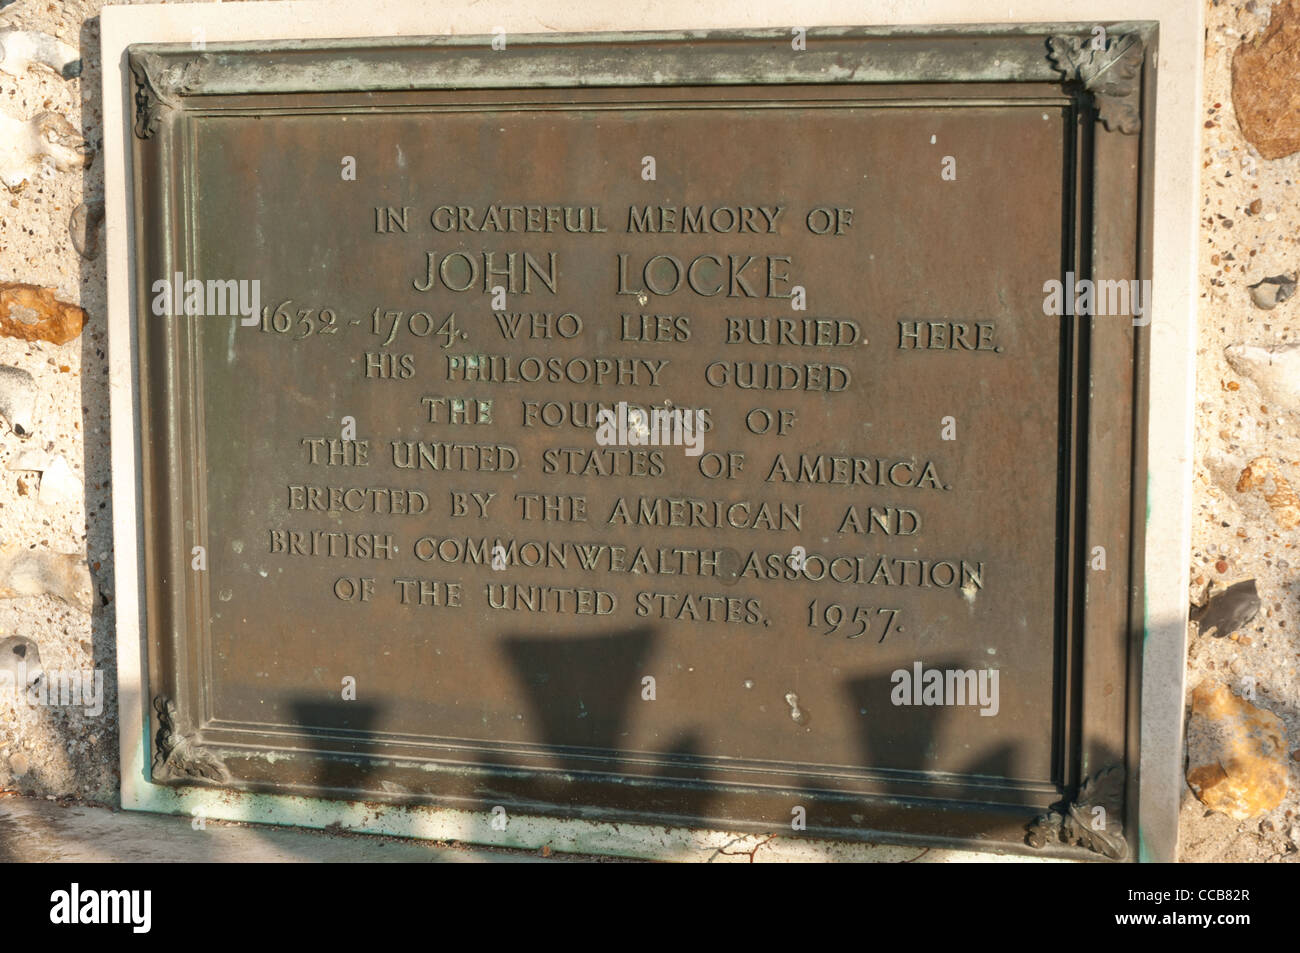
(730, 430)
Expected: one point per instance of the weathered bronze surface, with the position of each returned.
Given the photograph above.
(394, 557)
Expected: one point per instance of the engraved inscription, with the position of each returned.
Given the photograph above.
(530, 417)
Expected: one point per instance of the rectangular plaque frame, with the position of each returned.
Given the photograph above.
(1110, 217)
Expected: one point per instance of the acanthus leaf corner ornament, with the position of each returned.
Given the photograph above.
(1092, 821)
(177, 756)
(158, 87)
(1111, 74)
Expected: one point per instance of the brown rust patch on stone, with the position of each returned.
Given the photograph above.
(1283, 501)
(30, 313)
(1266, 84)
(1235, 753)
